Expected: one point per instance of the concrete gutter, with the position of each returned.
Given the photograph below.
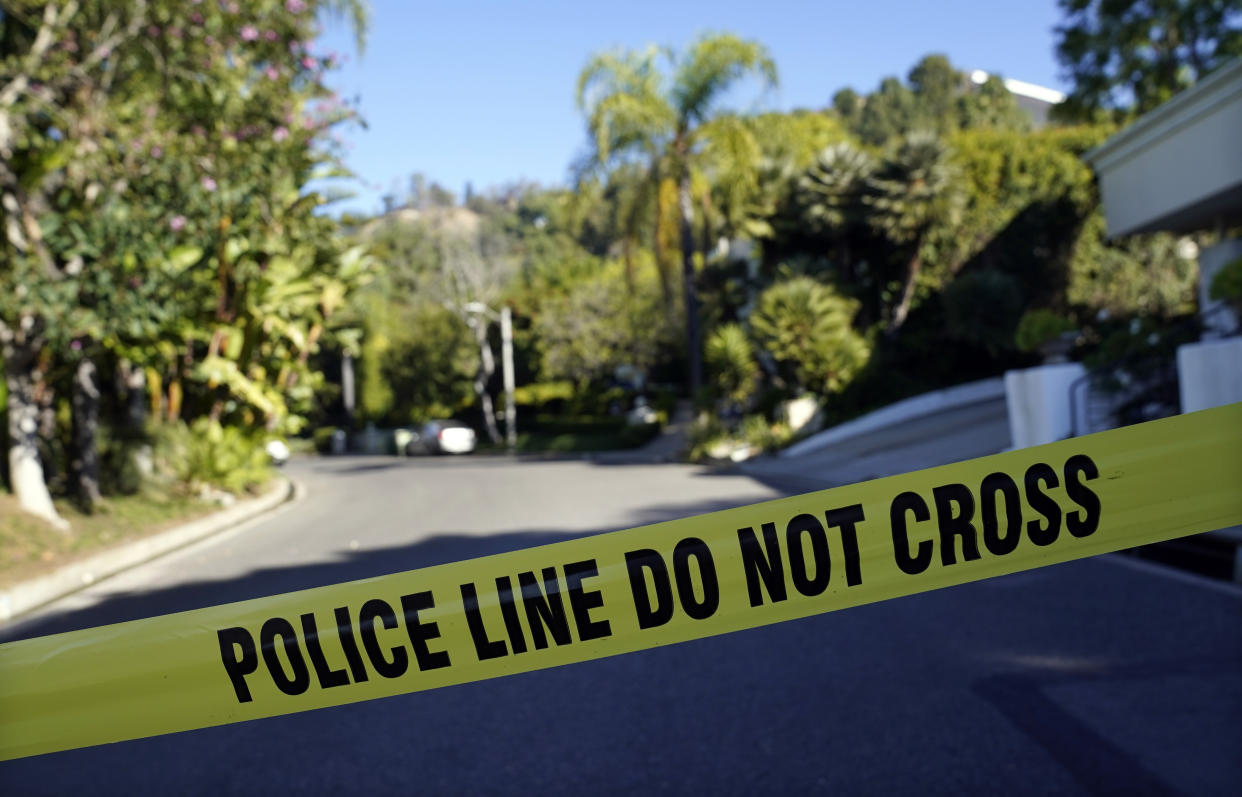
(909, 409)
(28, 595)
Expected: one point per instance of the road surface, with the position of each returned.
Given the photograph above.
(1094, 677)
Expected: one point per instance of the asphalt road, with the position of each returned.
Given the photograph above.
(1103, 676)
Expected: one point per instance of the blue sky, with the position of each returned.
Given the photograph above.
(484, 91)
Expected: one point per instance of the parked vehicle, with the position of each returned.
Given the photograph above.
(442, 437)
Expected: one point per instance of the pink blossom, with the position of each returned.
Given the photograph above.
(153, 30)
(177, 223)
(280, 134)
(196, 18)
(157, 151)
(295, 6)
(76, 345)
(249, 33)
(308, 62)
(209, 184)
(271, 35)
(272, 73)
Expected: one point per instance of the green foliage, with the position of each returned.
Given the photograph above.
(1227, 283)
(705, 434)
(164, 223)
(1127, 58)
(731, 366)
(1040, 326)
(599, 324)
(982, 309)
(805, 327)
(1140, 274)
(206, 453)
(938, 99)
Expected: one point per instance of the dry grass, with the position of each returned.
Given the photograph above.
(29, 547)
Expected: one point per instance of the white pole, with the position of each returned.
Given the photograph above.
(506, 354)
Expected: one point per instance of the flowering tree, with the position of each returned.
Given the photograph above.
(153, 163)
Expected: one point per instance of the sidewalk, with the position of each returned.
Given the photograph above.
(25, 596)
(975, 430)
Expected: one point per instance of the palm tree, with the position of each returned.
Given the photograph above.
(638, 113)
(914, 189)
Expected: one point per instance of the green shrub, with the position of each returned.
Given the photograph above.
(705, 433)
(1038, 327)
(209, 454)
(731, 363)
(571, 424)
(322, 438)
(1227, 284)
(980, 308)
(639, 434)
(806, 327)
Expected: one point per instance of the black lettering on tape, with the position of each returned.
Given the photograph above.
(299, 680)
(1085, 523)
(1042, 503)
(911, 564)
(847, 519)
(421, 631)
(799, 571)
(484, 647)
(696, 549)
(1001, 484)
(544, 608)
(955, 507)
(345, 632)
(763, 567)
(582, 601)
(508, 611)
(372, 610)
(327, 676)
(637, 564)
(238, 665)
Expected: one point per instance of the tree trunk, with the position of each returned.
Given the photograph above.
(907, 294)
(85, 433)
(25, 470)
(132, 382)
(693, 346)
(487, 366)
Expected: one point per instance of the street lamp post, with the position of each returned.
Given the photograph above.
(506, 361)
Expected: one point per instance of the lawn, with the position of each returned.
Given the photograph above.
(30, 548)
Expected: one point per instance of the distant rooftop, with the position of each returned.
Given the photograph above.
(1035, 100)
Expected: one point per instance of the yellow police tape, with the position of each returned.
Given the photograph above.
(624, 591)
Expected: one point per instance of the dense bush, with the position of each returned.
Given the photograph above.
(208, 454)
(805, 327)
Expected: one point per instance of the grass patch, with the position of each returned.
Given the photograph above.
(30, 548)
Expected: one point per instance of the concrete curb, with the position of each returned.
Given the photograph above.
(27, 595)
(908, 409)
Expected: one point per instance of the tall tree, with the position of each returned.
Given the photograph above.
(914, 188)
(152, 157)
(1127, 58)
(636, 110)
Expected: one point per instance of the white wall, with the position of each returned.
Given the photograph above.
(1038, 401)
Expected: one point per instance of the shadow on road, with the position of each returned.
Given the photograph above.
(344, 565)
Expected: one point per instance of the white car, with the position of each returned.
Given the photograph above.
(442, 437)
